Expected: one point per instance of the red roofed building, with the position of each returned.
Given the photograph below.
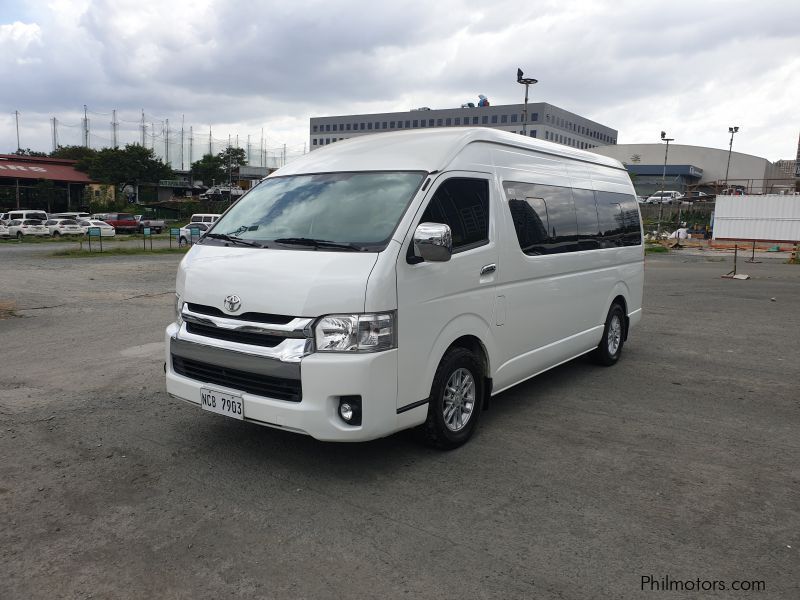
(22, 177)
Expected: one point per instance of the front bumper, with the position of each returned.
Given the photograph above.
(324, 379)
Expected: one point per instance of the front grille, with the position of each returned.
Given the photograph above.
(231, 335)
(255, 317)
(270, 387)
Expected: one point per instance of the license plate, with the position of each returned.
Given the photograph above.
(222, 403)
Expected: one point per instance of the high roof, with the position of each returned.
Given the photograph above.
(428, 150)
(14, 166)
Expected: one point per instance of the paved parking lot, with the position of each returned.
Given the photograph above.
(681, 461)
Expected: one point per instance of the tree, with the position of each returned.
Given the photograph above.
(131, 164)
(237, 156)
(210, 169)
(28, 152)
(73, 152)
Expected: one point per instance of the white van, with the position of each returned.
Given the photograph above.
(27, 214)
(203, 218)
(401, 279)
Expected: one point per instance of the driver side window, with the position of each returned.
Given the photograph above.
(463, 204)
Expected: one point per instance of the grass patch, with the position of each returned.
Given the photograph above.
(78, 253)
(655, 249)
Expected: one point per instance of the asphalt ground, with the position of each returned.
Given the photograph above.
(681, 461)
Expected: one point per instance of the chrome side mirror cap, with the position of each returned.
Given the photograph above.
(433, 242)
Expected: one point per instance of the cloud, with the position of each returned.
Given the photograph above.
(239, 65)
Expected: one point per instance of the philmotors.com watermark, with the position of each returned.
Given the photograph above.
(651, 583)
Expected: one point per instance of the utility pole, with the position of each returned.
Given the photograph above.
(55, 138)
(152, 136)
(229, 160)
(166, 143)
(16, 115)
(261, 151)
(210, 153)
(732, 131)
(664, 138)
(114, 125)
(527, 82)
(191, 140)
(144, 130)
(283, 163)
(182, 142)
(85, 127)
(248, 148)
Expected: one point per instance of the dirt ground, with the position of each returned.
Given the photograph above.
(681, 461)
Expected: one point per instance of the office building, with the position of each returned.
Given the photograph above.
(545, 122)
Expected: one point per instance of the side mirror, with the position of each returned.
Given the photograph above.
(433, 242)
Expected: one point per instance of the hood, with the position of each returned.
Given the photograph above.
(298, 283)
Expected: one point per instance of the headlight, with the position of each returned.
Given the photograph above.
(178, 308)
(370, 332)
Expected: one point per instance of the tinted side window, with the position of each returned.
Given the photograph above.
(586, 213)
(463, 204)
(630, 217)
(543, 207)
(619, 219)
(609, 214)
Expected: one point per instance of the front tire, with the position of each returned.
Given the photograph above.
(456, 400)
(57, 234)
(609, 349)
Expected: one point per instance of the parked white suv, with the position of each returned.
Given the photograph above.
(664, 197)
(19, 228)
(59, 227)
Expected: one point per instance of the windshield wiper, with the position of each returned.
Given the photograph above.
(315, 243)
(232, 239)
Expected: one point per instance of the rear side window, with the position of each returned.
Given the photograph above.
(544, 217)
(619, 219)
(551, 219)
(463, 204)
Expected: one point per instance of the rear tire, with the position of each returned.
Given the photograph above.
(57, 234)
(19, 236)
(609, 349)
(456, 400)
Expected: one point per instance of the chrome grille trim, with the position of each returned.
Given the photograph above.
(296, 328)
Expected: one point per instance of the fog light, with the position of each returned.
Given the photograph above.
(350, 409)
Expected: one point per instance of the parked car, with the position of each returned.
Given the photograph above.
(27, 214)
(664, 197)
(122, 222)
(19, 228)
(699, 197)
(106, 230)
(4, 230)
(204, 218)
(4, 218)
(59, 227)
(185, 236)
(156, 225)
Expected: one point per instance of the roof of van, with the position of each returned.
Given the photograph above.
(429, 150)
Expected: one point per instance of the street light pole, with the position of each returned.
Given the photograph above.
(664, 138)
(527, 82)
(732, 131)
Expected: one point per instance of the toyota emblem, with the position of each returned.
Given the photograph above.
(232, 303)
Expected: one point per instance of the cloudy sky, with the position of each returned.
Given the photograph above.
(237, 66)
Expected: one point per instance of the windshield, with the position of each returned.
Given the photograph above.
(359, 209)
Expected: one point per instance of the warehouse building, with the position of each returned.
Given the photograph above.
(697, 168)
(40, 183)
(544, 121)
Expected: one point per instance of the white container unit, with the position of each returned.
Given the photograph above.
(770, 218)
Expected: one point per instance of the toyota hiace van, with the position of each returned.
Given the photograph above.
(402, 279)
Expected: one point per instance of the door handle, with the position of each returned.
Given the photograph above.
(488, 269)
